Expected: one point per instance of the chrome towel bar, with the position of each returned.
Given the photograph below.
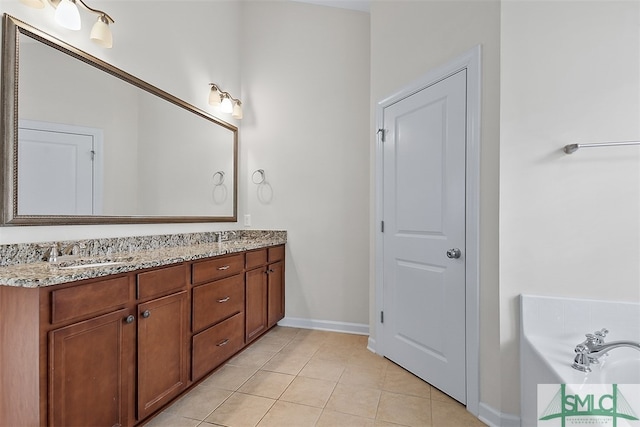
(572, 148)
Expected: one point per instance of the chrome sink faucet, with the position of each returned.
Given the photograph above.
(593, 348)
(55, 253)
(52, 253)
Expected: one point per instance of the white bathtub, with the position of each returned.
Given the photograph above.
(551, 327)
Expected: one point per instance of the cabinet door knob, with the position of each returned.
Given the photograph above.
(130, 318)
(225, 299)
(223, 343)
(146, 314)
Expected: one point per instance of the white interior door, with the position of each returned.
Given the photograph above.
(424, 234)
(55, 172)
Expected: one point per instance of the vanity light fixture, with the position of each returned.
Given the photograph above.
(68, 16)
(36, 4)
(227, 103)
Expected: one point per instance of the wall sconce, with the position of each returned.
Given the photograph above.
(227, 103)
(68, 16)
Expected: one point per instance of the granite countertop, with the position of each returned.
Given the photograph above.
(42, 273)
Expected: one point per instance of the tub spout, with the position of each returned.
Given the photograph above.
(592, 349)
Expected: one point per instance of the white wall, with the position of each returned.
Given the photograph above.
(408, 39)
(569, 224)
(305, 77)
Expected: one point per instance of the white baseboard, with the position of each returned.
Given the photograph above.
(494, 418)
(326, 325)
(371, 345)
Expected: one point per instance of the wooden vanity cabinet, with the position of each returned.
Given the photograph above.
(256, 294)
(264, 284)
(275, 285)
(112, 351)
(90, 333)
(117, 348)
(163, 341)
(218, 302)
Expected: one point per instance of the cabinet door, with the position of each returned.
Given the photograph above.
(256, 303)
(162, 351)
(275, 280)
(88, 368)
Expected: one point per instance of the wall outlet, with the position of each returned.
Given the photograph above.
(247, 220)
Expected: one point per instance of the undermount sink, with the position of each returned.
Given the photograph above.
(88, 263)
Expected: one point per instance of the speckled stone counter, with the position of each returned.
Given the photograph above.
(22, 266)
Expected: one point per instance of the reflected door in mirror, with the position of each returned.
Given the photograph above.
(56, 171)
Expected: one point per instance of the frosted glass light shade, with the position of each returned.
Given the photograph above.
(237, 111)
(67, 15)
(38, 4)
(214, 96)
(226, 106)
(101, 33)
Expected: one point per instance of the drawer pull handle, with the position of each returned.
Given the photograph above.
(224, 267)
(129, 319)
(225, 299)
(146, 314)
(223, 343)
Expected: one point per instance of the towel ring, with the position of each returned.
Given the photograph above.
(218, 178)
(260, 179)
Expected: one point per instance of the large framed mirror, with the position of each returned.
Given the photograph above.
(87, 143)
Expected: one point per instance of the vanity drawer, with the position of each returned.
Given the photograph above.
(256, 258)
(216, 344)
(162, 281)
(216, 301)
(90, 299)
(276, 253)
(217, 268)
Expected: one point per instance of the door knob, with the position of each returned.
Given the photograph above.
(454, 253)
(146, 314)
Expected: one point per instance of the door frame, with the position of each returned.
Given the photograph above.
(471, 61)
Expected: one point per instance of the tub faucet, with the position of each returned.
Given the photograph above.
(594, 347)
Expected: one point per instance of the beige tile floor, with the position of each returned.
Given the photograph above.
(300, 377)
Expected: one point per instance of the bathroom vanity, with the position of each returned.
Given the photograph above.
(116, 348)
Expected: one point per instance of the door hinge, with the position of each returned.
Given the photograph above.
(382, 226)
(382, 317)
(93, 155)
(382, 131)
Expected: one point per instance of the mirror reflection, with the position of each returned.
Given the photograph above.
(94, 142)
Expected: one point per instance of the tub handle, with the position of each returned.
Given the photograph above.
(601, 333)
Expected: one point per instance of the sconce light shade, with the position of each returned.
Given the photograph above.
(37, 4)
(224, 101)
(68, 15)
(214, 96)
(237, 110)
(101, 33)
(226, 106)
